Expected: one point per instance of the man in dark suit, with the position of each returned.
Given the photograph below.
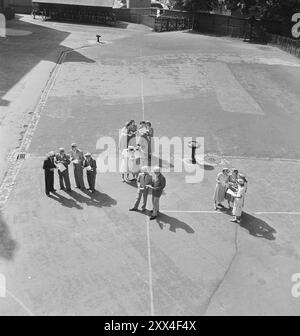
(64, 160)
(49, 167)
(91, 171)
(158, 185)
(77, 159)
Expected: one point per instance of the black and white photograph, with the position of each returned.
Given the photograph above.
(150, 160)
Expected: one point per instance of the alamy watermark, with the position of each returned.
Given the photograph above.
(296, 287)
(2, 25)
(170, 154)
(296, 27)
(2, 286)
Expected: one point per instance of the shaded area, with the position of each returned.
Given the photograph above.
(96, 199)
(19, 54)
(175, 224)
(7, 245)
(257, 227)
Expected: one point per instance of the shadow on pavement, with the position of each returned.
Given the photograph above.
(7, 245)
(175, 224)
(257, 227)
(66, 202)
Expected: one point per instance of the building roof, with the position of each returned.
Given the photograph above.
(93, 3)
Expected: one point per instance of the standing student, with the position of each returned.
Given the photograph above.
(49, 167)
(143, 181)
(239, 202)
(64, 160)
(150, 134)
(232, 185)
(158, 184)
(221, 187)
(91, 171)
(77, 160)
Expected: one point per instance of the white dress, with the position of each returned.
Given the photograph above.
(123, 139)
(124, 162)
(221, 187)
(239, 202)
(133, 168)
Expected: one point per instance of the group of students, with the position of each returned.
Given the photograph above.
(232, 187)
(136, 146)
(60, 162)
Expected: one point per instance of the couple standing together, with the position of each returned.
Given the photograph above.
(145, 183)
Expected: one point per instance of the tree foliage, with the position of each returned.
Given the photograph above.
(271, 9)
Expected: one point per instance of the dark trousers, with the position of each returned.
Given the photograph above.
(64, 179)
(49, 181)
(78, 174)
(91, 177)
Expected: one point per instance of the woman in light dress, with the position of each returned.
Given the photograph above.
(232, 185)
(140, 156)
(239, 201)
(221, 187)
(123, 137)
(133, 167)
(124, 165)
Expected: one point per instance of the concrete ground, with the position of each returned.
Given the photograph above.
(79, 254)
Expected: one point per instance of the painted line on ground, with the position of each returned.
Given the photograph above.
(220, 212)
(20, 303)
(150, 268)
(142, 87)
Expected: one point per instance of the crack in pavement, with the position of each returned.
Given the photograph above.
(226, 272)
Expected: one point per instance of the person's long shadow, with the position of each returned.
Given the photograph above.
(257, 227)
(7, 245)
(96, 199)
(175, 224)
(66, 202)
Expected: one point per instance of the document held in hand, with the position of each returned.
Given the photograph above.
(61, 167)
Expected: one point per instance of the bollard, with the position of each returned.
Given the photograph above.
(194, 145)
(98, 38)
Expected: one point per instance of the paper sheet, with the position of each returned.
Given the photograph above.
(61, 167)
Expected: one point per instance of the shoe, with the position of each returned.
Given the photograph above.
(133, 209)
(152, 217)
(69, 190)
(54, 190)
(234, 220)
(77, 187)
(62, 188)
(48, 195)
(143, 210)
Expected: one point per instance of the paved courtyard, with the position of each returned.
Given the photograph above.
(78, 254)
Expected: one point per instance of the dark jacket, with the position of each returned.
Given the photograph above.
(158, 183)
(65, 159)
(91, 163)
(48, 165)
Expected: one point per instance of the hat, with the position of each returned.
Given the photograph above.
(88, 154)
(61, 149)
(131, 147)
(74, 144)
(144, 169)
(51, 154)
(156, 170)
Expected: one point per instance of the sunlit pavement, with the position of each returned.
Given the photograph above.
(84, 254)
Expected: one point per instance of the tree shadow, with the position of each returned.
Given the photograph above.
(175, 224)
(7, 245)
(257, 227)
